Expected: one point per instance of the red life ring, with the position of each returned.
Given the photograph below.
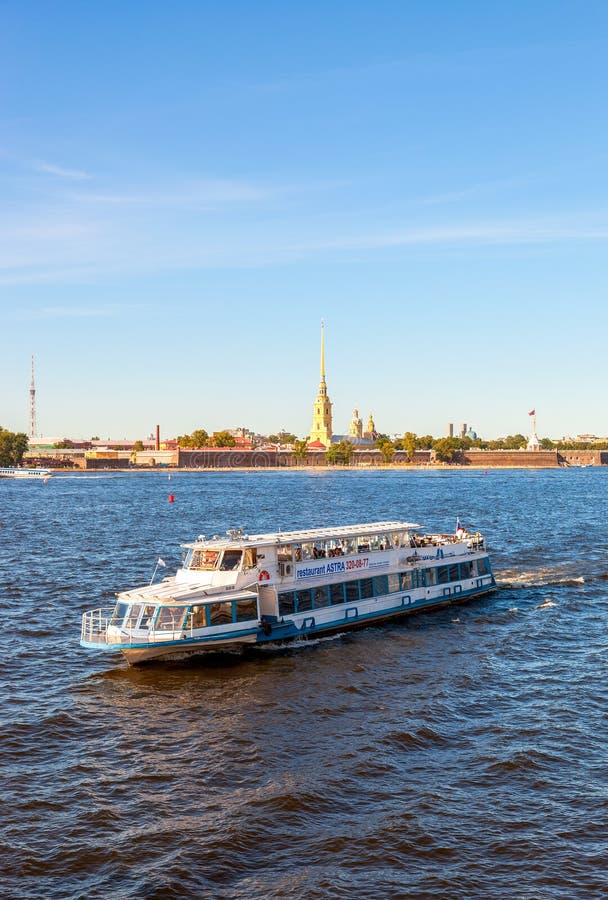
(264, 575)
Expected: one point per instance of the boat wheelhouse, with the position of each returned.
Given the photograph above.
(242, 590)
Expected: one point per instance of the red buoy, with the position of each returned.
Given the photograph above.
(171, 498)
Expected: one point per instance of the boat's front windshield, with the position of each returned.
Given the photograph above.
(202, 560)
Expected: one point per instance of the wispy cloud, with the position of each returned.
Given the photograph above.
(197, 194)
(68, 312)
(508, 233)
(61, 172)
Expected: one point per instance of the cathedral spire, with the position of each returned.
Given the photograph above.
(322, 350)
(321, 430)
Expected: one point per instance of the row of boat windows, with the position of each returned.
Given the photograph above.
(174, 618)
(361, 543)
(378, 586)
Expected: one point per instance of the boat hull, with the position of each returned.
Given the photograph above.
(283, 633)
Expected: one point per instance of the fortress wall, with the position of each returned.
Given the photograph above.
(529, 459)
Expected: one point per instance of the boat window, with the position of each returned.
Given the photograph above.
(284, 553)
(297, 552)
(204, 560)
(318, 550)
(336, 593)
(380, 585)
(453, 573)
(320, 596)
(483, 567)
(352, 591)
(367, 588)
(349, 545)
(286, 606)
(466, 569)
(304, 600)
(221, 613)
(198, 617)
(246, 610)
(308, 551)
(251, 558)
(363, 545)
(442, 574)
(431, 577)
(394, 583)
(131, 620)
(147, 617)
(407, 581)
(374, 542)
(230, 560)
(120, 612)
(170, 618)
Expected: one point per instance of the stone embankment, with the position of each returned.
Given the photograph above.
(231, 458)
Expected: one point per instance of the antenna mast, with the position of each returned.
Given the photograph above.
(32, 404)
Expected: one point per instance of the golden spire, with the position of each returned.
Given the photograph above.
(322, 350)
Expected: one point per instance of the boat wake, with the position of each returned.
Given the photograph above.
(541, 577)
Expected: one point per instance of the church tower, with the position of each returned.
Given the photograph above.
(321, 416)
(371, 432)
(356, 426)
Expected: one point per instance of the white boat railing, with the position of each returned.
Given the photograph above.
(95, 624)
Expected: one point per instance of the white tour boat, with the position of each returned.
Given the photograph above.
(30, 474)
(241, 590)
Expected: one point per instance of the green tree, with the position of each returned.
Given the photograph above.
(425, 442)
(547, 444)
(446, 448)
(65, 444)
(224, 439)
(200, 438)
(386, 448)
(515, 442)
(339, 453)
(138, 446)
(184, 440)
(12, 447)
(300, 449)
(410, 442)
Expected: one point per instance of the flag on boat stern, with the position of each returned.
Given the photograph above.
(161, 562)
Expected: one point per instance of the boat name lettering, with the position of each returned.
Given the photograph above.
(330, 568)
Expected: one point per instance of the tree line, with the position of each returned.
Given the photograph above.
(12, 447)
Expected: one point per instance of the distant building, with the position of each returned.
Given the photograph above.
(355, 429)
(450, 429)
(321, 430)
(370, 432)
(533, 441)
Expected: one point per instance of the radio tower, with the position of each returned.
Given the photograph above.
(32, 404)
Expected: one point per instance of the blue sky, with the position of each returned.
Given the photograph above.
(187, 189)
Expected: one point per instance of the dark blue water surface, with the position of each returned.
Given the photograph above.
(461, 753)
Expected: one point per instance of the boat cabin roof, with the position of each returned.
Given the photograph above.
(236, 538)
(168, 591)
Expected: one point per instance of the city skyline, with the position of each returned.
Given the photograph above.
(429, 180)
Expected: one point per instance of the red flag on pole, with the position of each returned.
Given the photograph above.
(532, 412)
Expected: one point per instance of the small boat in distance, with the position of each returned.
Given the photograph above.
(241, 590)
(30, 474)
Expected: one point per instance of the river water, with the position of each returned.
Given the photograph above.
(456, 754)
